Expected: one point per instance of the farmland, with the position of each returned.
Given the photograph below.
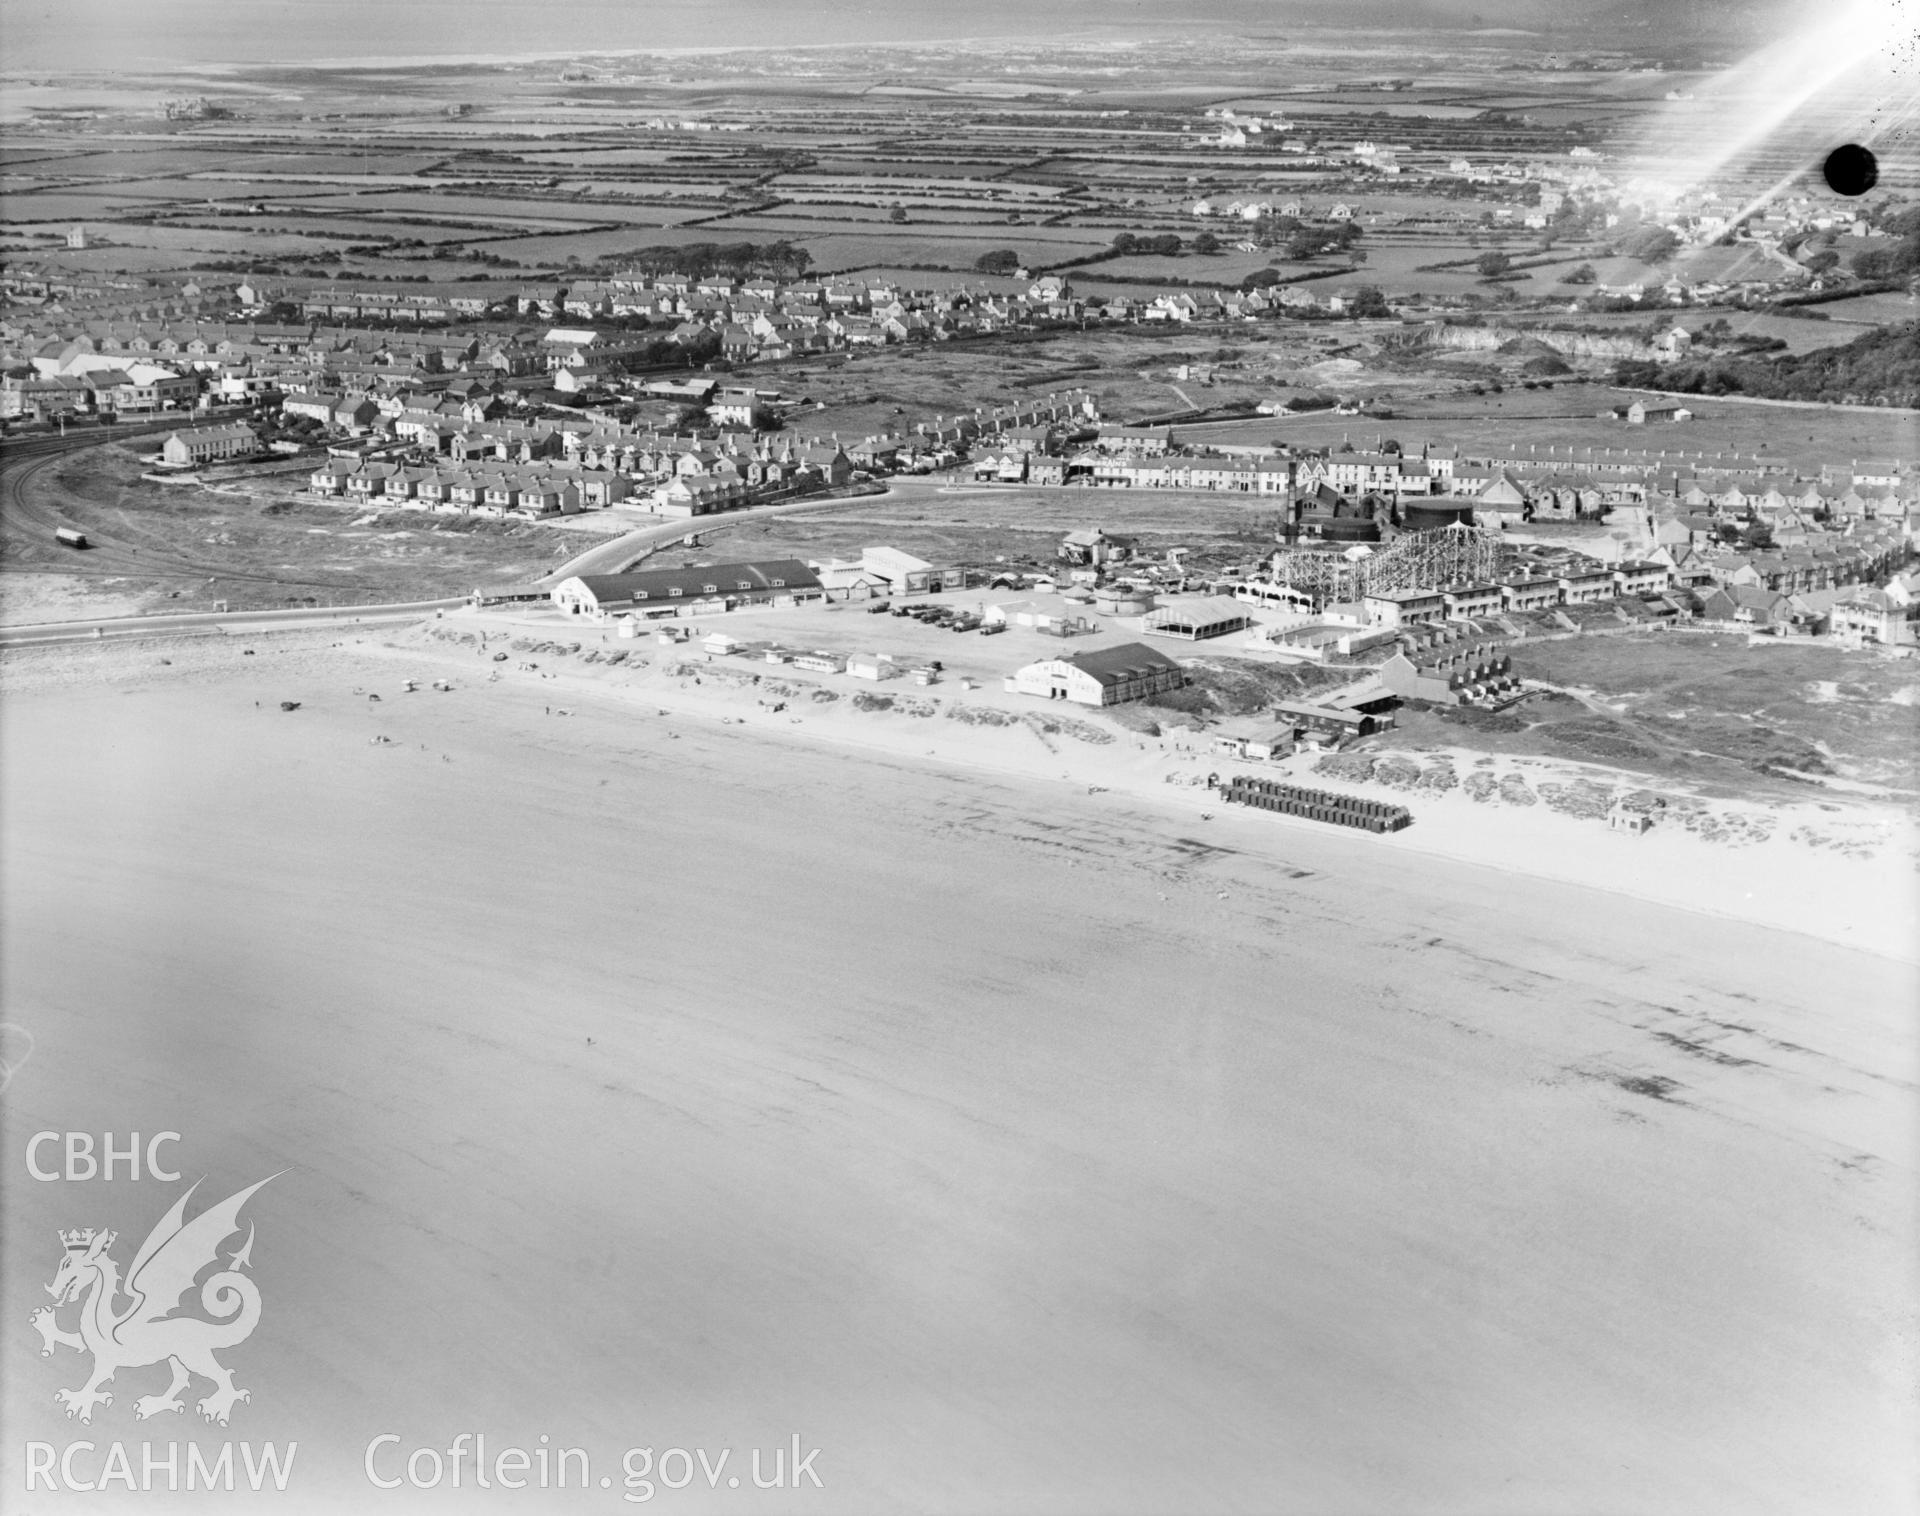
(1565, 417)
(1049, 149)
(908, 164)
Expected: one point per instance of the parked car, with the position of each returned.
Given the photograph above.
(993, 628)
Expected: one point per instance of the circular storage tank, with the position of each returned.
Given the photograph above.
(1427, 515)
(1120, 600)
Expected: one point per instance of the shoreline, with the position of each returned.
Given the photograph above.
(1612, 863)
(1856, 888)
(861, 1065)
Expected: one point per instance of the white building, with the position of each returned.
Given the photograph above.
(1107, 676)
(204, 443)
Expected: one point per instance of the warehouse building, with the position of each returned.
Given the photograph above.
(1108, 676)
(689, 591)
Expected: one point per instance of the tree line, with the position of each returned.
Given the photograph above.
(1880, 366)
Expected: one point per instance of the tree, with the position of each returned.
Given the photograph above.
(1123, 242)
(1002, 260)
(1369, 302)
(1491, 265)
(1584, 274)
(1206, 244)
(898, 213)
(1651, 244)
(1896, 262)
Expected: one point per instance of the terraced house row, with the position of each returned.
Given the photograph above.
(496, 492)
(686, 481)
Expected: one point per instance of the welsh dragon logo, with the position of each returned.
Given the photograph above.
(146, 1331)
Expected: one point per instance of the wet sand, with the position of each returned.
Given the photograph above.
(649, 1081)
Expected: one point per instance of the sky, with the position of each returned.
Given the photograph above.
(59, 35)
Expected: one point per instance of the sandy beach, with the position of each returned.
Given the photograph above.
(1020, 1130)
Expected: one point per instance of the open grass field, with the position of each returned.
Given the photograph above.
(167, 249)
(1868, 310)
(309, 224)
(1800, 336)
(68, 206)
(952, 521)
(1127, 373)
(1564, 417)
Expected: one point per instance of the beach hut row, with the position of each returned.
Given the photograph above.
(1317, 805)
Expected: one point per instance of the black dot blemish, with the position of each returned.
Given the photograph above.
(1851, 169)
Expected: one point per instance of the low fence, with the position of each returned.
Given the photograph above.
(1317, 805)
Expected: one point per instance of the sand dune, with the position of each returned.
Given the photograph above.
(650, 1081)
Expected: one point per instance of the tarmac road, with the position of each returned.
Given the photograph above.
(30, 510)
(623, 552)
(216, 623)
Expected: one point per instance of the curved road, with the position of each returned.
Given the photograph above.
(621, 553)
(25, 509)
(29, 512)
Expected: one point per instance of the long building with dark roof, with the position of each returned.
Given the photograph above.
(689, 591)
(1105, 676)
